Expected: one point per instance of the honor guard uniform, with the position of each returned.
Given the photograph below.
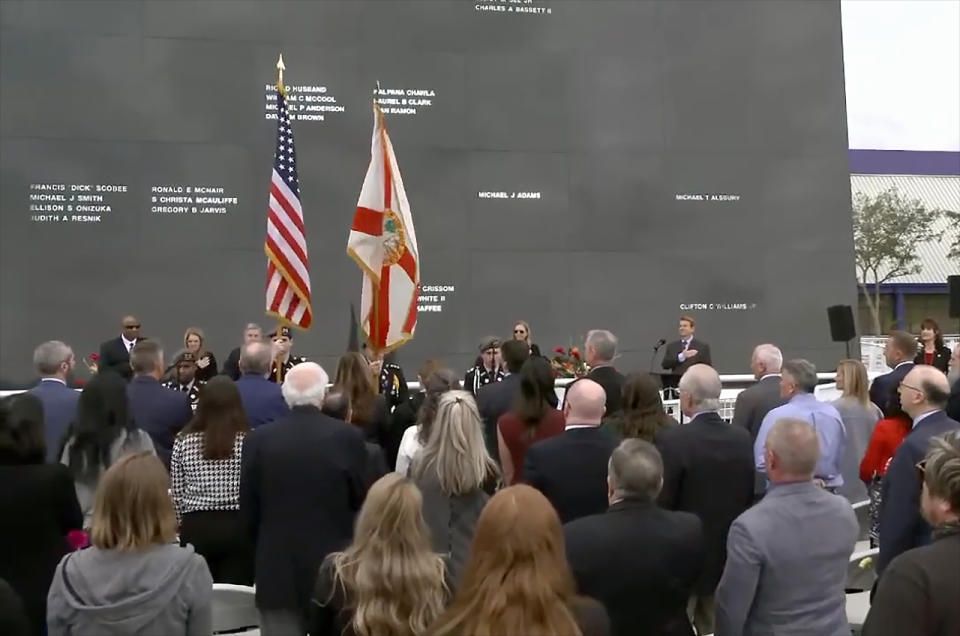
(283, 361)
(184, 377)
(392, 384)
(488, 367)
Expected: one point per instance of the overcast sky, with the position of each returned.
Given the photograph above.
(902, 65)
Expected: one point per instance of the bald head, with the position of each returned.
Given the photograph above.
(585, 403)
(305, 385)
(766, 359)
(792, 450)
(925, 388)
(256, 358)
(700, 387)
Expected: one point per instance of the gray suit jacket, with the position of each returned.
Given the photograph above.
(755, 402)
(787, 565)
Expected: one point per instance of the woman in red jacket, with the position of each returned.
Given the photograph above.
(887, 437)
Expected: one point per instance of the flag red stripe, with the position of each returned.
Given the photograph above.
(411, 320)
(294, 216)
(291, 312)
(387, 181)
(278, 297)
(383, 328)
(368, 221)
(291, 242)
(409, 265)
(291, 273)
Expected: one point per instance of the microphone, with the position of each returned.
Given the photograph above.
(659, 344)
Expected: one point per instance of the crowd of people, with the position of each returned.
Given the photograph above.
(477, 504)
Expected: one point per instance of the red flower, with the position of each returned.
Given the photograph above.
(94, 356)
(559, 349)
(575, 353)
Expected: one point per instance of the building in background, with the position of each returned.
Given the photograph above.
(934, 179)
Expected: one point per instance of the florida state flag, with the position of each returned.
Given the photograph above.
(384, 245)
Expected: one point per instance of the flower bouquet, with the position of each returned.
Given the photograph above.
(567, 363)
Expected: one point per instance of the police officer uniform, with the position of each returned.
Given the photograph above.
(478, 376)
(279, 372)
(192, 388)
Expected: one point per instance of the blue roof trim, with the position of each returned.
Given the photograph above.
(917, 162)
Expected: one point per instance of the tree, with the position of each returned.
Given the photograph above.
(955, 245)
(887, 229)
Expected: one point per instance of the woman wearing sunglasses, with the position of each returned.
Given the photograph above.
(521, 332)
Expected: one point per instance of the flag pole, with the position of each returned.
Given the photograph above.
(374, 289)
(281, 67)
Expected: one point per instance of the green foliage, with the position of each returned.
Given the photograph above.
(955, 245)
(887, 229)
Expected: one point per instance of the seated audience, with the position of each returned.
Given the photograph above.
(919, 593)
(436, 383)
(599, 352)
(787, 556)
(641, 415)
(205, 483)
(262, 399)
(531, 419)
(497, 398)
(38, 507)
(932, 351)
(859, 416)
(923, 394)
(798, 381)
(101, 432)
(55, 362)
(456, 476)
(251, 333)
(194, 342)
(370, 410)
(953, 402)
(899, 352)
(301, 484)
(388, 580)
(337, 406)
(639, 560)
(887, 436)
(707, 470)
(517, 580)
(571, 468)
(754, 402)
(157, 410)
(135, 579)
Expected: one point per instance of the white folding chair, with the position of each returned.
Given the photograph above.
(234, 610)
(860, 578)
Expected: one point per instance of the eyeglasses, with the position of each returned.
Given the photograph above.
(921, 469)
(905, 385)
(519, 331)
(131, 326)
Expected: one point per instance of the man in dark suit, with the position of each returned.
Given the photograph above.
(54, 362)
(707, 470)
(115, 354)
(571, 469)
(262, 399)
(497, 398)
(599, 350)
(953, 402)
(639, 560)
(158, 411)
(251, 333)
(899, 352)
(301, 485)
(682, 354)
(753, 403)
(923, 394)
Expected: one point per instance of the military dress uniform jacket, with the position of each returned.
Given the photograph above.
(192, 390)
(277, 375)
(478, 377)
(393, 386)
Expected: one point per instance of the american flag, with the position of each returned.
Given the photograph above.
(288, 269)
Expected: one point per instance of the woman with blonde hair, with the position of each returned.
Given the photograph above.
(195, 342)
(859, 416)
(456, 475)
(517, 580)
(388, 582)
(521, 331)
(136, 579)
